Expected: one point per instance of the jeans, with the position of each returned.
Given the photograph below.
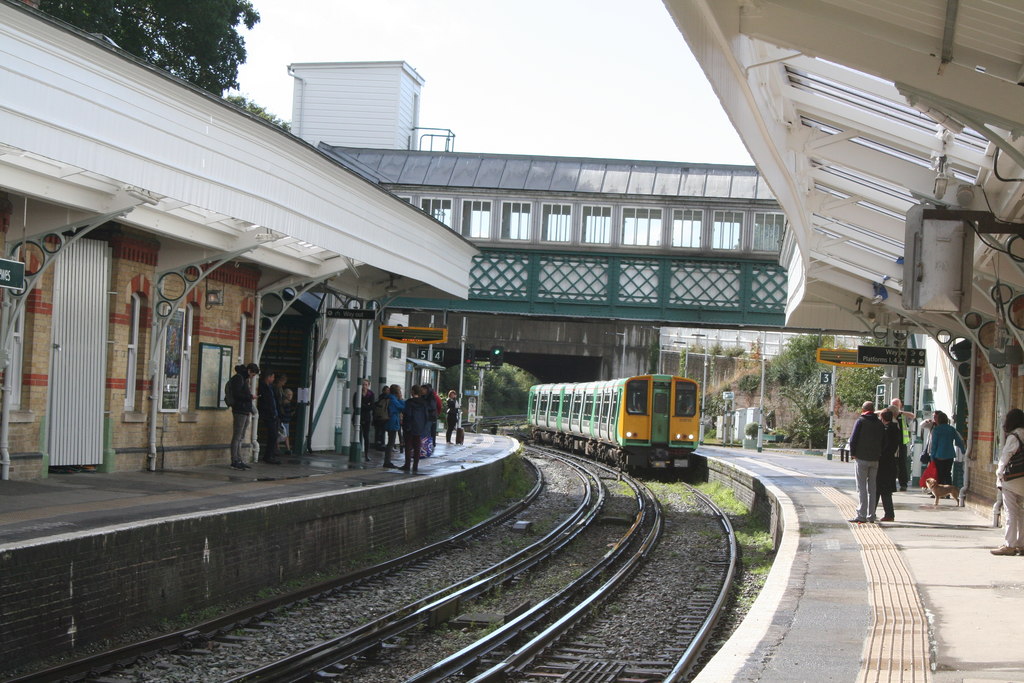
(867, 488)
(240, 425)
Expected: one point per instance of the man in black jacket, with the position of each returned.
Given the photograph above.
(241, 409)
(866, 448)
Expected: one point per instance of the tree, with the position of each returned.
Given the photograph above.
(193, 39)
(856, 385)
(255, 109)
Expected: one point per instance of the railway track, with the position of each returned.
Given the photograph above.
(544, 638)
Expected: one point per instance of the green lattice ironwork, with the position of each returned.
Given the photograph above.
(626, 287)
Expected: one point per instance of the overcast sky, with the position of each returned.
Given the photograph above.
(593, 78)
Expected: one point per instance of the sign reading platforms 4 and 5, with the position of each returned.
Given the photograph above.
(890, 355)
(12, 274)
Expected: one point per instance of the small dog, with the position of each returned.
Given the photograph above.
(940, 491)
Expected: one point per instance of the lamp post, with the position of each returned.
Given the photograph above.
(703, 390)
(760, 404)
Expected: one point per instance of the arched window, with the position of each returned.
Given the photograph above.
(17, 353)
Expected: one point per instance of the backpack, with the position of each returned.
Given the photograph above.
(229, 392)
(380, 409)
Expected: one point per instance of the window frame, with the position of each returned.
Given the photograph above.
(131, 374)
(507, 211)
(648, 220)
(609, 222)
(781, 226)
(469, 225)
(679, 216)
(716, 221)
(432, 211)
(564, 222)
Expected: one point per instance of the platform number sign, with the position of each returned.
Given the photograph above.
(825, 378)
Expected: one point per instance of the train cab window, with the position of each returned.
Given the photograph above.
(636, 396)
(686, 399)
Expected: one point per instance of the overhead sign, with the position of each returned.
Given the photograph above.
(890, 355)
(844, 357)
(414, 335)
(351, 313)
(12, 274)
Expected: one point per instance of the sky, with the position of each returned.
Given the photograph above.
(590, 78)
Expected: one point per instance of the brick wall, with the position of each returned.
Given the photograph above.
(77, 591)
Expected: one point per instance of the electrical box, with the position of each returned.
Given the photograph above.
(938, 262)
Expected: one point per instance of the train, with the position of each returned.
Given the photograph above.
(634, 423)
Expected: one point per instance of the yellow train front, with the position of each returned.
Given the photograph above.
(644, 422)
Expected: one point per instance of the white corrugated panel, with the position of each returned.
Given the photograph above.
(79, 356)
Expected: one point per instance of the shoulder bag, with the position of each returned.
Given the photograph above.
(1015, 467)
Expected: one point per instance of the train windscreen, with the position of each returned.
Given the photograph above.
(636, 396)
(686, 399)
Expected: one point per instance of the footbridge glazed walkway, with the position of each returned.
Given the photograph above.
(916, 600)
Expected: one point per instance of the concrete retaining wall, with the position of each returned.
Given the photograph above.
(750, 491)
(69, 592)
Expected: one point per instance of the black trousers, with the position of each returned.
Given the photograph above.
(945, 471)
(902, 473)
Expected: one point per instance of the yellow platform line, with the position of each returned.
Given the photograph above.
(896, 648)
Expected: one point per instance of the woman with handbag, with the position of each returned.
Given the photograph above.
(1010, 480)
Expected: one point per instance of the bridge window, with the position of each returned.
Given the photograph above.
(725, 230)
(476, 219)
(556, 222)
(439, 209)
(636, 396)
(641, 227)
(515, 220)
(768, 231)
(686, 228)
(597, 224)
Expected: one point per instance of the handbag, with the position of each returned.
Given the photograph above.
(930, 472)
(925, 458)
(1015, 467)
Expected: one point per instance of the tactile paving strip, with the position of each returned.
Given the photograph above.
(897, 645)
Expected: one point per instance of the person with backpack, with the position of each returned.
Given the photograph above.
(380, 417)
(238, 397)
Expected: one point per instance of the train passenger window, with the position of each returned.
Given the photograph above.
(636, 396)
(686, 399)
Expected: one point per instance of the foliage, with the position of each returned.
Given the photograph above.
(750, 382)
(798, 362)
(506, 389)
(856, 385)
(751, 430)
(810, 426)
(256, 110)
(195, 40)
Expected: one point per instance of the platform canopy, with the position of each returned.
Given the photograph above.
(87, 130)
(857, 110)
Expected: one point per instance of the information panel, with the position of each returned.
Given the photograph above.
(890, 355)
(414, 335)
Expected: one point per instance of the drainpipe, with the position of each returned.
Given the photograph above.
(153, 408)
(297, 114)
(5, 416)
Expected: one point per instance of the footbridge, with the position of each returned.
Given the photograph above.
(598, 239)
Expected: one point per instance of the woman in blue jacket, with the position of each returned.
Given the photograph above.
(941, 447)
(394, 423)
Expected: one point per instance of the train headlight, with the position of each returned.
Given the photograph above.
(629, 435)
(678, 437)
(690, 437)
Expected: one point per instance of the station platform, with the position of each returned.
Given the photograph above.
(917, 599)
(73, 503)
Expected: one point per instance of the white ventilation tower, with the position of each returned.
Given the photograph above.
(356, 104)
